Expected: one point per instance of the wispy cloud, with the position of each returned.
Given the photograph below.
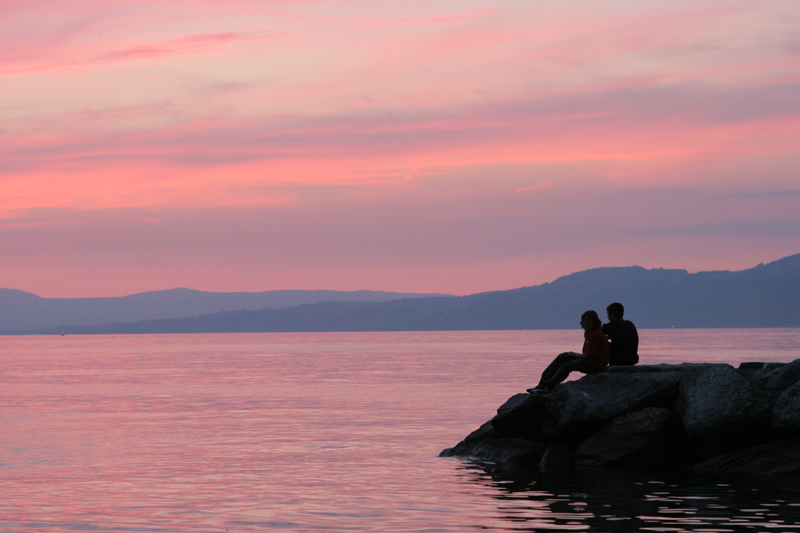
(636, 131)
(439, 19)
(771, 227)
(89, 57)
(190, 44)
(443, 130)
(537, 187)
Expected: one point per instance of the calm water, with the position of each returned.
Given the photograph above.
(337, 432)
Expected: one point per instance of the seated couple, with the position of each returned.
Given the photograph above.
(597, 353)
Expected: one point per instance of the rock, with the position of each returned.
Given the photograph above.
(780, 376)
(578, 408)
(522, 417)
(720, 410)
(651, 436)
(770, 378)
(650, 415)
(556, 459)
(757, 365)
(483, 432)
(513, 402)
(786, 413)
(640, 369)
(774, 458)
(757, 372)
(507, 451)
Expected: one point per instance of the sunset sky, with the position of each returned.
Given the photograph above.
(447, 146)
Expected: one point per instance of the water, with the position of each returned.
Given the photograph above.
(332, 432)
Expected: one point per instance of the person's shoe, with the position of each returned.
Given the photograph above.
(539, 390)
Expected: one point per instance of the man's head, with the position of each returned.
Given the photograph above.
(615, 311)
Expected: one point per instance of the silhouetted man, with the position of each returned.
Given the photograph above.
(623, 336)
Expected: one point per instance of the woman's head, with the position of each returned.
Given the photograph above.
(590, 321)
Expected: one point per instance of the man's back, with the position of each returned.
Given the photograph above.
(624, 342)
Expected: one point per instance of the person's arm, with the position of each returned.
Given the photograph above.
(596, 346)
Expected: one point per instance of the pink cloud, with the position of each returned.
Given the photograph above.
(442, 19)
(484, 237)
(537, 187)
(644, 125)
(190, 44)
(449, 146)
(82, 57)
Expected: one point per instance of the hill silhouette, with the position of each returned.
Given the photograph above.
(763, 296)
(22, 311)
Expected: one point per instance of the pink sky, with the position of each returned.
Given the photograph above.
(436, 146)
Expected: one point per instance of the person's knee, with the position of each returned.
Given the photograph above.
(566, 357)
(576, 364)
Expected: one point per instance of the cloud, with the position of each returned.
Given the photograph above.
(680, 121)
(772, 227)
(537, 187)
(190, 44)
(89, 57)
(284, 133)
(439, 19)
(485, 238)
(625, 139)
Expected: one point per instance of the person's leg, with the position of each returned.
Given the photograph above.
(551, 370)
(579, 365)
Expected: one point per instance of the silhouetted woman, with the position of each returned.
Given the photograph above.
(594, 355)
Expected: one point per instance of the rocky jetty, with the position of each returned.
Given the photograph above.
(711, 417)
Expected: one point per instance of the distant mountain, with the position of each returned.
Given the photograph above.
(764, 296)
(21, 311)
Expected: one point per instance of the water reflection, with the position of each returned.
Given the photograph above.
(626, 501)
(309, 432)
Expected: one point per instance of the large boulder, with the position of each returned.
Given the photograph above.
(577, 409)
(721, 410)
(777, 376)
(507, 451)
(641, 369)
(773, 458)
(652, 436)
(486, 431)
(651, 415)
(557, 459)
(786, 413)
(513, 402)
(521, 416)
(757, 373)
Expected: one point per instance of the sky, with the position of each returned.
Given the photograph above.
(452, 146)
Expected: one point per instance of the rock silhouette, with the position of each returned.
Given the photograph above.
(711, 417)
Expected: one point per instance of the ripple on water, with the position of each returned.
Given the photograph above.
(622, 501)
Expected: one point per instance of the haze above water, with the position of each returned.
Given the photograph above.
(333, 431)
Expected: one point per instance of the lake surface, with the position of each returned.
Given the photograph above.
(329, 432)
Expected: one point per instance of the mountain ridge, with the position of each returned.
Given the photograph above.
(767, 295)
(21, 311)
